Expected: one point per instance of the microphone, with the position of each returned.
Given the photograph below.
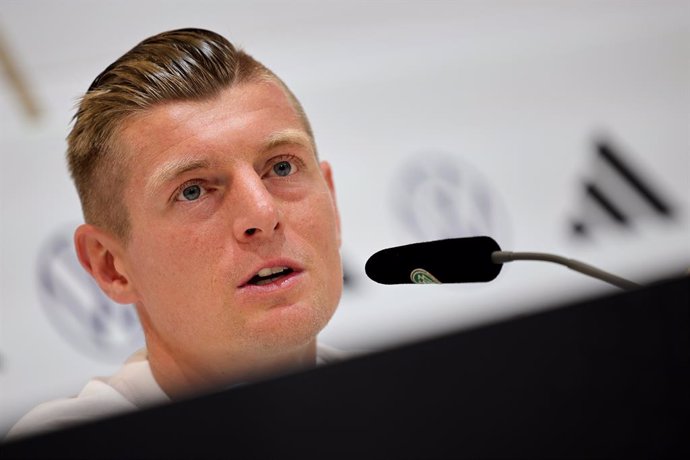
(464, 260)
(455, 260)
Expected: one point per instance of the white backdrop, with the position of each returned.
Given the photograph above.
(439, 118)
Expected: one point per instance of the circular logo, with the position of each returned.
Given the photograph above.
(83, 315)
(438, 196)
(421, 276)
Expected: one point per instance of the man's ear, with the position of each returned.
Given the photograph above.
(328, 176)
(102, 256)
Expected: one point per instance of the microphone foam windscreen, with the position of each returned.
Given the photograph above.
(457, 260)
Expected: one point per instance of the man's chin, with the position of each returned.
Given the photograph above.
(287, 327)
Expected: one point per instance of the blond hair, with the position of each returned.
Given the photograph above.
(179, 65)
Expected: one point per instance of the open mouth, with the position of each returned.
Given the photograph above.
(269, 275)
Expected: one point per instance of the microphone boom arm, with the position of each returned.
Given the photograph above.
(500, 257)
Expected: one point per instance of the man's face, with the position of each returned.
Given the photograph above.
(222, 193)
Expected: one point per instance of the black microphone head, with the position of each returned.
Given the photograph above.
(456, 260)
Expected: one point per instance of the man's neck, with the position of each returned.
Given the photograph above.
(183, 376)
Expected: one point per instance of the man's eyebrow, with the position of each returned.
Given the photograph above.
(173, 169)
(287, 137)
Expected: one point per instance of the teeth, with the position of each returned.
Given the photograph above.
(271, 271)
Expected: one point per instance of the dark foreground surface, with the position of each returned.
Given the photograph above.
(604, 378)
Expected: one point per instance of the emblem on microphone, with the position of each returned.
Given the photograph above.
(421, 276)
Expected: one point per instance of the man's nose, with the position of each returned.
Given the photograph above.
(256, 215)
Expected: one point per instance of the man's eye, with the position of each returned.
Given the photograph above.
(190, 193)
(282, 168)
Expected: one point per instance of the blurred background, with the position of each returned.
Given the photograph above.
(553, 126)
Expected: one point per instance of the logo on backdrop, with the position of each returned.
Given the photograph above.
(616, 195)
(82, 314)
(437, 196)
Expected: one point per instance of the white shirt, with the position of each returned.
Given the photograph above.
(132, 387)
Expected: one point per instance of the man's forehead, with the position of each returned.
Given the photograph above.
(232, 107)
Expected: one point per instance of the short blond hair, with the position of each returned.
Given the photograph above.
(179, 65)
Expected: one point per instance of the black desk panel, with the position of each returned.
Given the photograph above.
(603, 378)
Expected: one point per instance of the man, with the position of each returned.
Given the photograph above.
(207, 208)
